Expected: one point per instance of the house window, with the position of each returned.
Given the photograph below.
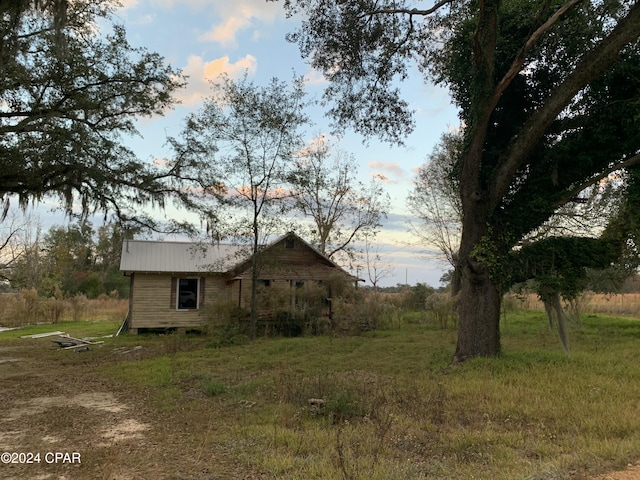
(187, 293)
(264, 283)
(289, 243)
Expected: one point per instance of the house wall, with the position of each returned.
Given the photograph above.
(292, 273)
(151, 301)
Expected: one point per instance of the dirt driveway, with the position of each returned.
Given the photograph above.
(62, 420)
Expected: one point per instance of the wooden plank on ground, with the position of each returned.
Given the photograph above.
(42, 335)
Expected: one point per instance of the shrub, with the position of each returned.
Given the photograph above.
(78, 304)
(213, 388)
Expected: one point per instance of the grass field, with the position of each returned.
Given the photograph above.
(589, 302)
(383, 405)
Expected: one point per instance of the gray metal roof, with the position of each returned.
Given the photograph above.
(183, 257)
(186, 257)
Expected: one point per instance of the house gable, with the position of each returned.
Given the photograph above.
(290, 257)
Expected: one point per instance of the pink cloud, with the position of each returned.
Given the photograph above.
(387, 172)
(200, 73)
(391, 167)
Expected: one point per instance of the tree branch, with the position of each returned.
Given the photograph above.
(631, 161)
(407, 11)
(593, 64)
(516, 66)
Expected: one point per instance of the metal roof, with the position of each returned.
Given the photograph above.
(186, 257)
(183, 257)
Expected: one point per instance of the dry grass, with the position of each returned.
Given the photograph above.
(26, 308)
(626, 304)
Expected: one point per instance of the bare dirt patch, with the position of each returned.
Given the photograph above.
(632, 472)
(81, 425)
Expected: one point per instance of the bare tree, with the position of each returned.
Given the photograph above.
(342, 209)
(376, 268)
(19, 240)
(435, 199)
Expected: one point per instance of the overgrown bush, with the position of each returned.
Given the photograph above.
(357, 311)
(78, 304)
(220, 313)
(416, 296)
(53, 308)
(231, 334)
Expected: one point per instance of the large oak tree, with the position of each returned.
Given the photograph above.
(70, 91)
(548, 92)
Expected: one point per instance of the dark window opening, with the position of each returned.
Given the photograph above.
(187, 293)
(289, 243)
(264, 283)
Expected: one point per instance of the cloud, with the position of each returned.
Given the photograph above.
(200, 73)
(315, 77)
(387, 172)
(241, 15)
(225, 33)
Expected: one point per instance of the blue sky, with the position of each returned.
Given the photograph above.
(207, 37)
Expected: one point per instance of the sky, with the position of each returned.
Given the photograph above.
(205, 38)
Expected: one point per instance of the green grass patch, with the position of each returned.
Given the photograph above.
(78, 329)
(213, 387)
(385, 405)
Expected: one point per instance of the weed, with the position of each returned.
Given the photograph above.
(230, 334)
(213, 388)
(342, 405)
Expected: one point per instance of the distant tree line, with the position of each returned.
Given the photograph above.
(69, 260)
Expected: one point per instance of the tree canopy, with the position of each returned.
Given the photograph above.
(75, 259)
(548, 93)
(71, 89)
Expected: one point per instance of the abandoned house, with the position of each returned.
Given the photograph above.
(181, 285)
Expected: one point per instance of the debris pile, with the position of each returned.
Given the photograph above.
(68, 342)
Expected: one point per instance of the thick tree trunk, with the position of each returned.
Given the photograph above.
(478, 306)
(478, 298)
